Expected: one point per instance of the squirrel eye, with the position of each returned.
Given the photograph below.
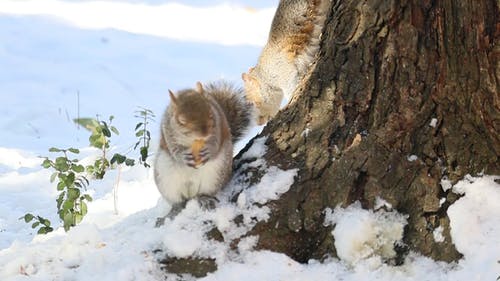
(181, 120)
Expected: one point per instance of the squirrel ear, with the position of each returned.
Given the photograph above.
(245, 77)
(199, 88)
(172, 97)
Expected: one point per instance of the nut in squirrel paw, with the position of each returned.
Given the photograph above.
(196, 147)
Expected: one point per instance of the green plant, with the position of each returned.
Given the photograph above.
(142, 132)
(71, 201)
(71, 175)
(39, 221)
(101, 132)
(99, 138)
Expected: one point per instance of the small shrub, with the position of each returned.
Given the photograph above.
(71, 184)
(142, 132)
(71, 176)
(43, 223)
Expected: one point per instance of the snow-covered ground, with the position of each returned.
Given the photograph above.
(64, 59)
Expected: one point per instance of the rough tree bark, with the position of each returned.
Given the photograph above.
(393, 79)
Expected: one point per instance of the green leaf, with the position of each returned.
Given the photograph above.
(138, 125)
(78, 168)
(98, 130)
(74, 150)
(53, 176)
(90, 169)
(130, 162)
(61, 185)
(70, 179)
(73, 193)
(35, 225)
(137, 144)
(139, 133)
(144, 153)
(78, 218)
(60, 199)
(88, 123)
(99, 174)
(43, 221)
(54, 149)
(97, 141)
(106, 131)
(28, 217)
(118, 158)
(68, 205)
(45, 230)
(62, 164)
(83, 208)
(114, 130)
(61, 213)
(46, 163)
(68, 221)
(88, 197)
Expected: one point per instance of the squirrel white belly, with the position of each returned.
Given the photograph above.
(180, 182)
(292, 45)
(198, 130)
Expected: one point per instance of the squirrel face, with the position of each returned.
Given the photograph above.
(192, 114)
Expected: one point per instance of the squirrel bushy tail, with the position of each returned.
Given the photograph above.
(236, 107)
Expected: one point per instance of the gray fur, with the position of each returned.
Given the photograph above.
(236, 107)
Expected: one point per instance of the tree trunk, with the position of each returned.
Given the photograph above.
(394, 79)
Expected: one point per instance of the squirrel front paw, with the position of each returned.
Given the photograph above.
(194, 162)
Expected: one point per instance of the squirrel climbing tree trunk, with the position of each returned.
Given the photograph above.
(404, 94)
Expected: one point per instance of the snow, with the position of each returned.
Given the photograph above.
(441, 201)
(446, 184)
(64, 59)
(438, 234)
(412, 158)
(433, 122)
(475, 225)
(365, 235)
(274, 183)
(306, 131)
(258, 148)
(197, 24)
(381, 203)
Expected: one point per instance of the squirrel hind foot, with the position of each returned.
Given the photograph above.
(174, 211)
(207, 202)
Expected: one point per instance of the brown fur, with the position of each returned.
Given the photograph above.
(193, 109)
(163, 143)
(237, 109)
(286, 58)
(297, 42)
(293, 25)
(217, 109)
(196, 145)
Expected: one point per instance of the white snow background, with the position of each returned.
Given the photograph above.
(64, 59)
